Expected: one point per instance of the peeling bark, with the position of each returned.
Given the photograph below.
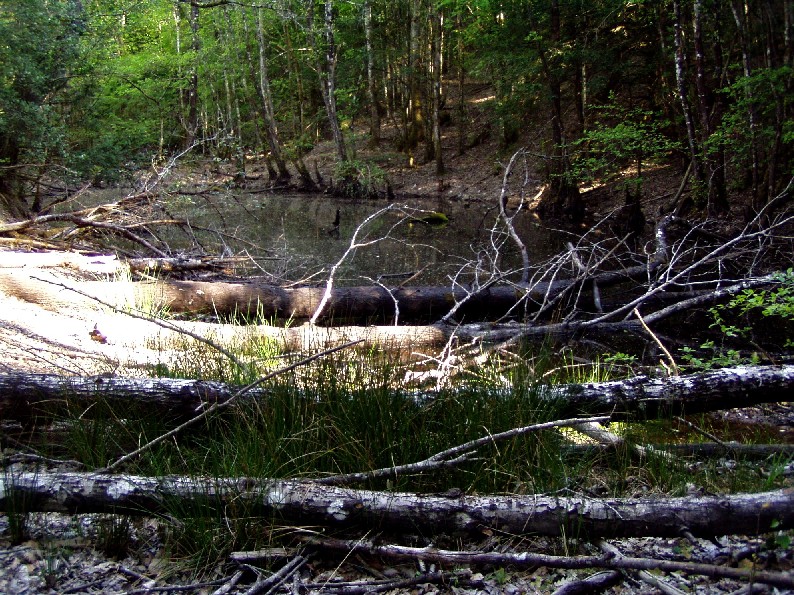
(310, 503)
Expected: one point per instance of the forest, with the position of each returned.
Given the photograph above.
(90, 89)
(428, 296)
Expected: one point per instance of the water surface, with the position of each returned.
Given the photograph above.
(293, 236)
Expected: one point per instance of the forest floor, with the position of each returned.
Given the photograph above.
(60, 554)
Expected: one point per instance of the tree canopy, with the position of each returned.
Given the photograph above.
(90, 86)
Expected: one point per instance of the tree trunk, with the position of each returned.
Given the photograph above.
(268, 112)
(365, 304)
(372, 93)
(436, 23)
(326, 68)
(12, 202)
(717, 200)
(563, 199)
(191, 126)
(683, 96)
(462, 114)
(310, 503)
(416, 124)
(23, 395)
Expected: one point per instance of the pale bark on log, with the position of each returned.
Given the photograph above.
(310, 503)
(23, 395)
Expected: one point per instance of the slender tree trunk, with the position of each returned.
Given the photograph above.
(774, 62)
(326, 67)
(717, 200)
(191, 126)
(256, 106)
(680, 77)
(564, 199)
(436, 49)
(266, 97)
(234, 104)
(462, 114)
(374, 116)
(300, 92)
(740, 17)
(12, 202)
(416, 119)
(788, 37)
(181, 94)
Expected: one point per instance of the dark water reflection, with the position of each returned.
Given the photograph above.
(293, 236)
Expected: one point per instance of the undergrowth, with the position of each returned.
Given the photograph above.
(348, 413)
(351, 411)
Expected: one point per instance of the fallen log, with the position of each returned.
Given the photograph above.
(179, 264)
(24, 395)
(310, 503)
(256, 300)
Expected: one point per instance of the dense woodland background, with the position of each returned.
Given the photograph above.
(331, 436)
(92, 88)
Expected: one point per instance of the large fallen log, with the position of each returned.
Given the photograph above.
(310, 503)
(24, 395)
(255, 299)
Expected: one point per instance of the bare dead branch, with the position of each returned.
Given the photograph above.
(452, 456)
(531, 559)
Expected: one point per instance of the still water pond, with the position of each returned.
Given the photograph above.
(294, 236)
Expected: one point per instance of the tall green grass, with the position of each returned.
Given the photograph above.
(350, 412)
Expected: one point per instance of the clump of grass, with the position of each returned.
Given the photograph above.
(16, 509)
(107, 429)
(114, 535)
(200, 537)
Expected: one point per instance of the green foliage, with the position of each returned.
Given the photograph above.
(766, 95)
(359, 178)
(38, 55)
(777, 303)
(779, 540)
(618, 138)
(711, 356)
(739, 319)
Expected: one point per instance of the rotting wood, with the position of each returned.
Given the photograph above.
(23, 395)
(310, 503)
